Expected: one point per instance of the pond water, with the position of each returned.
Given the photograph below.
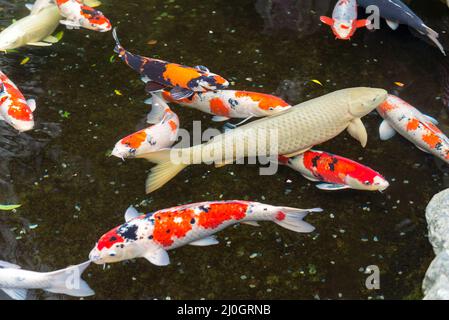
(71, 192)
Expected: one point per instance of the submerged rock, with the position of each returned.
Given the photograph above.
(436, 281)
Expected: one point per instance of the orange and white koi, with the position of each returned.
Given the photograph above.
(150, 236)
(226, 104)
(159, 136)
(344, 21)
(336, 172)
(159, 74)
(79, 15)
(418, 128)
(14, 109)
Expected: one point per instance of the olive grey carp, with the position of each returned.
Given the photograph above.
(297, 130)
(15, 282)
(34, 29)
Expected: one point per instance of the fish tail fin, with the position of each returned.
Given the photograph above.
(164, 171)
(118, 47)
(68, 281)
(433, 35)
(292, 219)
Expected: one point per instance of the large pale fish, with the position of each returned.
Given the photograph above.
(418, 128)
(34, 29)
(150, 236)
(297, 130)
(15, 282)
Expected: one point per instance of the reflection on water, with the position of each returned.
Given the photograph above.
(74, 193)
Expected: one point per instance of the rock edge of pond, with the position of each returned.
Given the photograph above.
(436, 280)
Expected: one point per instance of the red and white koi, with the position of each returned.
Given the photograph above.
(418, 128)
(79, 15)
(226, 104)
(150, 236)
(159, 136)
(344, 21)
(14, 109)
(336, 172)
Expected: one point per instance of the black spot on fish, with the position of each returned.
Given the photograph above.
(128, 232)
(168, 231)
(204, 208)
(332, 164)
(315, 161)
(150, 237)
(192, 221)
(112, 239)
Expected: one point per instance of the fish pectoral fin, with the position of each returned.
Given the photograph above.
(422, 149)
(145, 79)
(431, 119)
(152, 86)
(202, 68)
(16, 294)
(362, 23)
(157, 110)
(29, 6)
(313, 179)
(92, 3)
(331, 186)
(219, 119)
(1, 118)
(51, 39)
(386, 131)
(209, 241)
(178, 93)
(70, 24)
(327, 20)
(392, 24)
(357, 130)
(39, 44)
(32, 104)
(220, 164)
(131, 213)
(4, 264)
(252, 223)
(158, 257)
(296, 153)
(148, 101)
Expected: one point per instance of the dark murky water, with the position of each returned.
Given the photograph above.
(74, 193)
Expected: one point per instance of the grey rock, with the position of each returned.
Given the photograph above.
(436, 281)
(437, 215)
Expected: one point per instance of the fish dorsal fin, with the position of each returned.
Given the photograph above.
(178, 93)
(296, 153)
(39, 5)
(131, 213)
(202, 68)
(357, 130)
(362, 23)
(431, 119)
(386, 131)
(158, 257)
(219, 118)
(32, 104)
(159, 106)
(327, 20)
(209, 241)
(16, 294)
(4, 264)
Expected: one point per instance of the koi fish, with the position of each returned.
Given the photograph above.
(150, 236)
(336, 172)
(34, 29)
(159, 74)
(14, 109)
(226, 104)
(418, 128)
(297, 129)
(344, 21)
(396, 12)
(159, 136)
(79, 15)
(15, 282)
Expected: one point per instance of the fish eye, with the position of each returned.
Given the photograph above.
(367, 183)
(112, 254)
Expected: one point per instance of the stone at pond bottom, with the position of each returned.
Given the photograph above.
(437, 215)
(436, 281)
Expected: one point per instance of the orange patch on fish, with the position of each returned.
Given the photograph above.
(412, 124)
(266, 101)
(220, 212)
(21, 112)
(431, 140)
(218, 107)
(171, 224)
(173, 125)
(178, 75)
(135, 140)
